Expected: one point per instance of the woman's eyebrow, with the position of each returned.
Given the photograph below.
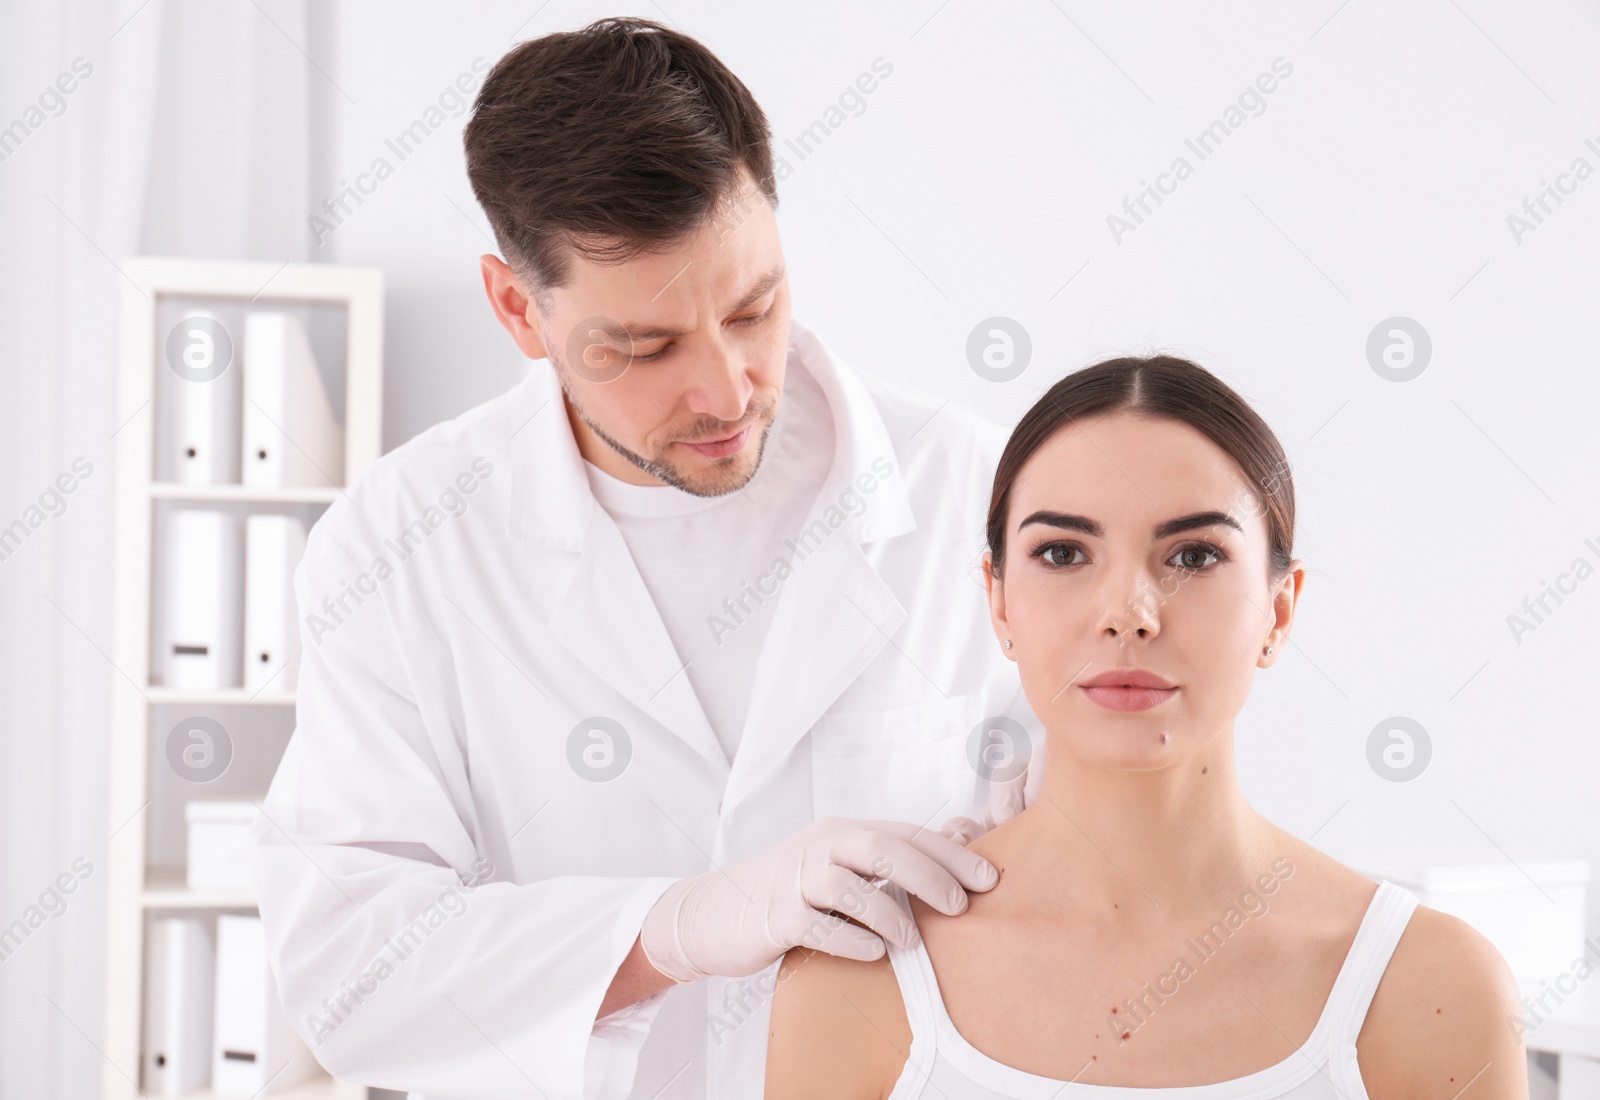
(1194, 520)
(1065, 520)
(1068, 521)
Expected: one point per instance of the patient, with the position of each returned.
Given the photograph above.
(1150, 930)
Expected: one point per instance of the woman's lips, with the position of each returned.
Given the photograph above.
(1129, 698)
(722, 448)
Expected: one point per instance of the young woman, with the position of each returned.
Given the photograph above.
(1151, 934)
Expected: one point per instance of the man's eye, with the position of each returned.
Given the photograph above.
(661, 351)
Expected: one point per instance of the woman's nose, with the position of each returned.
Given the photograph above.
(1132, 608)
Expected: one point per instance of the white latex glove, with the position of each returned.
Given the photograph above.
(1006, 800)
(738, 920)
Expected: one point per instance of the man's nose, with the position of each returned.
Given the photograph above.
(721, 387)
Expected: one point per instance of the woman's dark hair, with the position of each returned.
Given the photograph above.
(1158, 387)
(611, 140)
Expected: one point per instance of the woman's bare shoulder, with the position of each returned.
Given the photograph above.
(1444, 1016)
(838, 1028)
(1444, 1012)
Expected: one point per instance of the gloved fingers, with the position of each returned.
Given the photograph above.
(931, 866)
(901, 840)
(962, 830)
(836, 887)
(1007, 799)
(840, 937)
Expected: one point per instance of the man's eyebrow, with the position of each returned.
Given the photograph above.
(1069, 522)
(622, 333)
(763, 284)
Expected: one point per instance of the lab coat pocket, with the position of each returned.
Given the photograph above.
(906, 763)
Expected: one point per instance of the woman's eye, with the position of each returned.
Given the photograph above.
(1194, 557)
(1058, 553)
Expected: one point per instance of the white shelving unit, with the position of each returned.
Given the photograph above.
(146, 799)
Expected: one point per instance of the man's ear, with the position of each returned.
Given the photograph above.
(997, 600)
(513, 306)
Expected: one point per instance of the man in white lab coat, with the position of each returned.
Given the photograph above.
(621, 684)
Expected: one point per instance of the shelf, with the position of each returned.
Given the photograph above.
(248, 494)
(167, 888)
(156, 292)
(219, 697)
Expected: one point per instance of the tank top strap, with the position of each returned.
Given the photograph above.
(913, 970)
(1374, 945)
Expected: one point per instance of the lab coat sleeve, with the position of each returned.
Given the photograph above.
(397, 955)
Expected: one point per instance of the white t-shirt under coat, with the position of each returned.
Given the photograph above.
(709, 562)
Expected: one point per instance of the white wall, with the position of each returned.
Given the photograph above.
(1376, 182)
(977, 182)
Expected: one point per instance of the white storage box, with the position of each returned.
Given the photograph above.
(1533, 911)
(221, 853)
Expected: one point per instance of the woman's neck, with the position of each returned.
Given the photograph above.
(1139, 849)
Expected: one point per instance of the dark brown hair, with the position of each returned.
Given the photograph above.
(1158, 387)
(620, 138)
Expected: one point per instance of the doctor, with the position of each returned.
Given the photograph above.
(619, 685)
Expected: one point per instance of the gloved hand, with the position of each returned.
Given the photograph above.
(738, 920)
(1006, 800)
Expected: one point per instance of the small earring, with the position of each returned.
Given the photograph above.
(1008, 643)
(1269, 651)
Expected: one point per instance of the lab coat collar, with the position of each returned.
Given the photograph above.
(835, 615)
(552, 503)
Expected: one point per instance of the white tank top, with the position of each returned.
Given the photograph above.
(944, 1066)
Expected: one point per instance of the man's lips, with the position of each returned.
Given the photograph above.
(721, 448)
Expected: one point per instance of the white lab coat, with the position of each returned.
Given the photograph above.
(449, 882)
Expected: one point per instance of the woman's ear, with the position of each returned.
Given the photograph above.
(997, 602)
(1284, 601)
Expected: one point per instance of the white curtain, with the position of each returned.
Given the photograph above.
(126, 127)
